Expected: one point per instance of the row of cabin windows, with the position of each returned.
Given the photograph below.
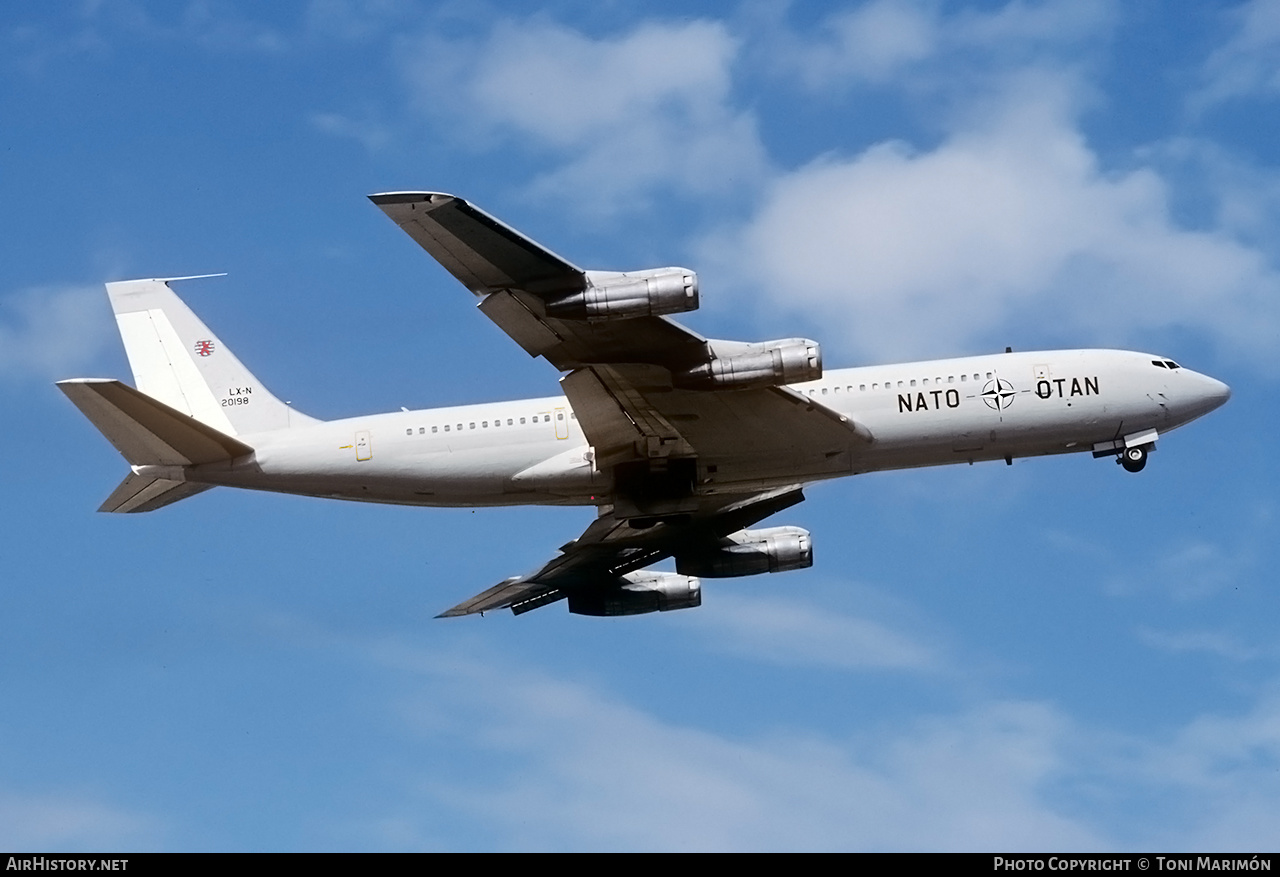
(484, 424)
(888, 385)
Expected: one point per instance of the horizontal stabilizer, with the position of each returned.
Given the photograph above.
(142, 493)
(148, 432)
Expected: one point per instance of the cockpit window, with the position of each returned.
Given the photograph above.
(1158, 363)
(1171, 364)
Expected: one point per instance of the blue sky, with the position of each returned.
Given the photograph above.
(1053, 655)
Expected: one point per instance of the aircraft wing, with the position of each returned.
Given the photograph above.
(622, 372)
(701, 437)
(610, 548)
(516, 277)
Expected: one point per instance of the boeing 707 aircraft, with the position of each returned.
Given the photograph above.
(682, 443)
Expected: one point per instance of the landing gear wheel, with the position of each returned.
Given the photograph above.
(1133, 459)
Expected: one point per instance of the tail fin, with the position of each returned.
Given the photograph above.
(177, 360)
(157, 440)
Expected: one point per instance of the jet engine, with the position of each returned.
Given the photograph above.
(751, 552)
(735, 365)
(639, 592)
(611, 295)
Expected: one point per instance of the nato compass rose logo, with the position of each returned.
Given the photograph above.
(998, 394)
(204, 348)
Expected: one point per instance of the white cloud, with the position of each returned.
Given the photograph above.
(575, 768)
(588, 772)
(909, 43)
(1189, 568)
(1247, 64)
(792, 634)
(1210, 642)
(644, 110)
(1236, 194)
(1023, 26)
(873, 42)
(69, 823)
(919, 252)
(369, 133)
(50, 332)
(1223, 773)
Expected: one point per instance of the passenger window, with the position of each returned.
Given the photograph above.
(913, 383)
(559, 417)
(422, 430)
(437, 429)
(824, 391)
(522, 420)
(446, 427)
(409, 431)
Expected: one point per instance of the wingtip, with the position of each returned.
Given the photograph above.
(388, 198)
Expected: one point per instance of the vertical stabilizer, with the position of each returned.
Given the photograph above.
(177, 360)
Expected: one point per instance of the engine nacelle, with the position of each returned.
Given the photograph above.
(767, 364)
(751, 552)
(640, 592)
(611, 295)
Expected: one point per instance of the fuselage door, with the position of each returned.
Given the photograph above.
(562, 424)
(364, 446)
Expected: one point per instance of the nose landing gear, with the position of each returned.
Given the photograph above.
(1133, 459)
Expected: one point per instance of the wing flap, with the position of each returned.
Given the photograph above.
(507, 593)
(611, 407)
(515, 318)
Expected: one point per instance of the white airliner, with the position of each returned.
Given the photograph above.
(680, 442)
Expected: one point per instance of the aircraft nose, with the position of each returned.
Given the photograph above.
(1209, 393)
(1215, 392)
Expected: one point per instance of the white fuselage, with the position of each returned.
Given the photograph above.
(932, 413)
